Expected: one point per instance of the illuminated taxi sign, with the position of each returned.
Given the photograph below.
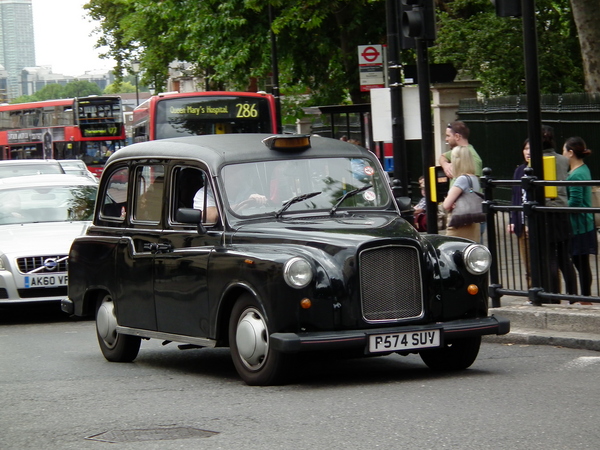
(288, 142)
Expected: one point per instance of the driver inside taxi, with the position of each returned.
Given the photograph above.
(239, 193)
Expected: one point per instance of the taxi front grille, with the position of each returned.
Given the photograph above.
(43, 264)
(390, 283)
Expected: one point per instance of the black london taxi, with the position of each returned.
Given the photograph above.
(272, 246)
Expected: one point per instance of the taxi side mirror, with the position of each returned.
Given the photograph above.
(190, 215)
(406, 209)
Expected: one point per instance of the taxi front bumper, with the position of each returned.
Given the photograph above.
(353, 339)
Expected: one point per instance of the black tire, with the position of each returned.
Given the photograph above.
(253, 357)
(453, 355)
(114, 346)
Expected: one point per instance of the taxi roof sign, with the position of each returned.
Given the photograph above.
(288, 142)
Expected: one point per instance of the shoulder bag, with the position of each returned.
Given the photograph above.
(467, 208)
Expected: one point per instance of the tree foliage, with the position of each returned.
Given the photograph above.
(77, 88)
(488, 48)
(228, 42)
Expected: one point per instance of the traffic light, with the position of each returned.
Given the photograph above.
(418, 19)
(507, 8)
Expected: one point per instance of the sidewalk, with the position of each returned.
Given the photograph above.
(564, 325)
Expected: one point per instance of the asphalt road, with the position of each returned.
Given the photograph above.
(58, 392)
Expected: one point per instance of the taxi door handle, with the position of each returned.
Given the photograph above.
(153, 247)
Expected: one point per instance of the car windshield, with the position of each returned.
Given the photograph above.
(264, 187)
(17, 170)
(46, 204)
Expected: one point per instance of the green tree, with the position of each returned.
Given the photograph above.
(488, 48)
(50, 92)
(81, 88)
(119, 88)
(229, 41)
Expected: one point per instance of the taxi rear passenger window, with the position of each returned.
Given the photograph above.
(115, 198)
(149, 183)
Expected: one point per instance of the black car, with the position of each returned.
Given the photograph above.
(272, 245)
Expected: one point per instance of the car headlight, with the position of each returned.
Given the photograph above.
(297, 272)
(477, 259)
(2, 264)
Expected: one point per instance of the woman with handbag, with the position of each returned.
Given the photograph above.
(463, 200)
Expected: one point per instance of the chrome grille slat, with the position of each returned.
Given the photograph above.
(31, 263)
(390, 283)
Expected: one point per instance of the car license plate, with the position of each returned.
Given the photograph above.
(404, 341)
(44, 281)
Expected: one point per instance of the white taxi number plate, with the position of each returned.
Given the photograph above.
(44, 281)
(404, 341)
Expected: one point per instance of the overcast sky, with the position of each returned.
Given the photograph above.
(62, 38)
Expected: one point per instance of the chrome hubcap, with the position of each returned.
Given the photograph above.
(106, 322)
(252, 339)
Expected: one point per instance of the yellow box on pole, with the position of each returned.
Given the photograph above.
(438, 184)
(433, 184)
(550, 175)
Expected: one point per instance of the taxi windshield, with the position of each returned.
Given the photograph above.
(314, 184)
(46, 204)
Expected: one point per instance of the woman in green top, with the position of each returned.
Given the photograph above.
(584, 241)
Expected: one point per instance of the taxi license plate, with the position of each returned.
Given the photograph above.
(44, 281)
(404, 341)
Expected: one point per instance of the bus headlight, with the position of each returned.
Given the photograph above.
(297, 272)
(477, 259)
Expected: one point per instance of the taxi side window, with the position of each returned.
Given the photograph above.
(192, 190)
(149, 188)
(114, 206)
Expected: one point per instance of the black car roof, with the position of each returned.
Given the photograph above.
(220, 149)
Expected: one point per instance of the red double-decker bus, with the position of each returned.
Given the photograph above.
(171, 114)
(86, 128)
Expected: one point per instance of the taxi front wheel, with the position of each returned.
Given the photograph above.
(114, 346)
(253, 357)
(454, 355)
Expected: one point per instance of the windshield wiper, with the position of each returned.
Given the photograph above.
(296, 199)
(346, 195)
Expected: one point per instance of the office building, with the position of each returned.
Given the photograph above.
(17, 46)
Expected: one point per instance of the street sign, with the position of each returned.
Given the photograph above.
(370, 65)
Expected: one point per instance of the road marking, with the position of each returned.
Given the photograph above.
(583, 362)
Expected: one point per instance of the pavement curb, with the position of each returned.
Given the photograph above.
(523, 336)
(560, 325)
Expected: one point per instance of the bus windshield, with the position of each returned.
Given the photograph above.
(186, 116)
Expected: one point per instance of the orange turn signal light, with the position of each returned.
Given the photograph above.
(305, 303)
(472, 289)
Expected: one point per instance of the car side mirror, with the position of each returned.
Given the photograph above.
(406, 209)
(190, 215)
(404, 203)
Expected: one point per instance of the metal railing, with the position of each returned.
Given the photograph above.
(538, 265)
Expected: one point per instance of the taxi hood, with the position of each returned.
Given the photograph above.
(351, 229)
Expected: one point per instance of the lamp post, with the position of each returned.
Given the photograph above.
(135, 68)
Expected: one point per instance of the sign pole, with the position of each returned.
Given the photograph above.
(395, 82)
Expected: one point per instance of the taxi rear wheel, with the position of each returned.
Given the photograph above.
(257, 363)
(454, 355)
(114, 346)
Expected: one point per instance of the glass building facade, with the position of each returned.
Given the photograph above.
(17, 46)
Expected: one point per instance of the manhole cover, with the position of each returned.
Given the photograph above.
(152, 434)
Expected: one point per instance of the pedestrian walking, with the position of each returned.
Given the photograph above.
(463, 168)
(517, 224)
(583, 241)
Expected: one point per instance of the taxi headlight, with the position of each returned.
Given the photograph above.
(477, 259)
(297, 272)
